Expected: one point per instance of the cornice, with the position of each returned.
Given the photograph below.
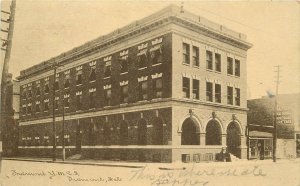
(101, 44)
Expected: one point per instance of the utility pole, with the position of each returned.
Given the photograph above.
(5, 79)
(53, 110)
(277, 71)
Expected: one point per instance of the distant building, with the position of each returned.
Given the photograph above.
(261, 121)
(169, 87)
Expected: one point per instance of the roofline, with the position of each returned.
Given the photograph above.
(171, 12)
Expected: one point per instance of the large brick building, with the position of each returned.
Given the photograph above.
(164, 88)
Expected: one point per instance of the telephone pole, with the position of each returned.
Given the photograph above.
(277, 71)
(6, 46)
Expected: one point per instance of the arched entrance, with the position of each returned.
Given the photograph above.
(213, 133)
(234, 139)
(190, 133)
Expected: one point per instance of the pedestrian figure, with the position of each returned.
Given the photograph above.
(223, 156)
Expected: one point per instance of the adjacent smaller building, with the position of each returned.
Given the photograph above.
(260, 127)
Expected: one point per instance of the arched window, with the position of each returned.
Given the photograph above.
(106, 133)
(213, 133)
(190, 133)
(158, 138)
(124, 133)
(142, 132)
(233, 138)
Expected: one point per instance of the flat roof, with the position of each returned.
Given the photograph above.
(167, 12)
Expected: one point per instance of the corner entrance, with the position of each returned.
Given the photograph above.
(190, 133)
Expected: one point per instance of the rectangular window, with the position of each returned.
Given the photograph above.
(237, 68)
(107, 69)
(218, 62)
(93, 74)
(156, 56)
(143, 90)
(195, 89)
(56, 84)
(157, 87)
(79, 102)
(46, 106)
(124, 94)
(209, 91)
(195, 56)
(92, 99)
(67, 82)
(37, 108)
(29, 109)
(186, 53)
(107, 94)
(56, 103)
(24, 94)
(142, 61)
(124, 65)
(186, 87)
(67, 102)
(237, 97)
(47, 89)
(218, 93)
(24, 110)
(79, 77)
(209, 60)
(230, 95)
(229, 65)
(29, 93)
(38, 91)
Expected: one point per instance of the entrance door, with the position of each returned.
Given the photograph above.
(260, 149)
(234, 139)
(189, 134)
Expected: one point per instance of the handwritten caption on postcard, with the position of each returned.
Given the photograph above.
(71, 176)
(194, 175)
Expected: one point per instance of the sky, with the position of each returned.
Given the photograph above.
(45, 29)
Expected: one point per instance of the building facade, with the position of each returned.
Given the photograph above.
(166, 88)
(261, 122)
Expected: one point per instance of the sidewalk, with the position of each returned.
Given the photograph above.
(174, 165)
(82, 162)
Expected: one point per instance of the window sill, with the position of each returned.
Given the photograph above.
(78, 85)
(142, 68)
(196, 66)
(186, 64)
(66, 88)
(106, 77)
(157, 64)
(123, 104)
(92, 81)
(124, 73)
(156, 99)
(143, 101)
(209, 70)
(218, 72)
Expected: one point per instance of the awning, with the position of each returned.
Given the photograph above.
(260, 134)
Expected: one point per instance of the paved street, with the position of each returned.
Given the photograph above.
(284, 172)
